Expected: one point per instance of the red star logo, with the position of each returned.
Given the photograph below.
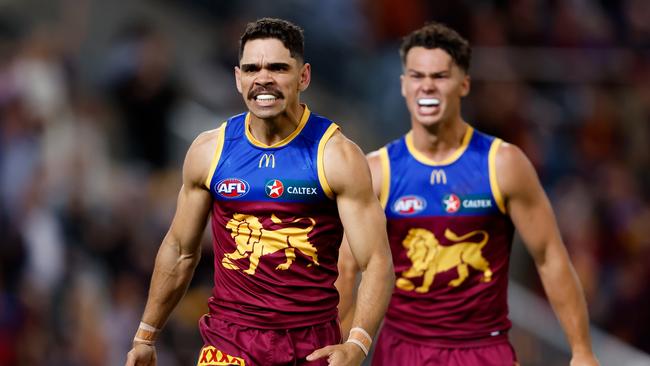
(452, 203)
(274, 188)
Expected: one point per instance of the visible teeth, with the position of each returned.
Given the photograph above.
(427, 102)
(265, 97)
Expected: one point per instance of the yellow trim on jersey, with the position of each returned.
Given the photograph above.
(453, 157)
(385, 177)
(286, 140)
(492, 166)
(221, 132)
(319, 160)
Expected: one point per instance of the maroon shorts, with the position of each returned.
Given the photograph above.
(391, 349)
(227, 343)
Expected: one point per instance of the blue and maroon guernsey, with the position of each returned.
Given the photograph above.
(275, 226)
(450, 241)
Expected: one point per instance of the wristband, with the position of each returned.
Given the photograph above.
(138, 340)
(146, 334)
(361, 338)
(358, 343)
(363, 332)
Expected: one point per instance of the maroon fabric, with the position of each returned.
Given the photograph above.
(474, 309)
(392, 349)
(263, 347)
(273, 298)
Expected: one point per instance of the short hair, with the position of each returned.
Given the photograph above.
(437, 35)
(288, 33)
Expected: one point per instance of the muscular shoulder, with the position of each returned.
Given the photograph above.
(199, 157)
(515, 172)
(344, 162)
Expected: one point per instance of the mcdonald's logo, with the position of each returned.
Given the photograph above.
(266, 160)
(438, 176)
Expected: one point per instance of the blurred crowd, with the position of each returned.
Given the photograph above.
(90, 166)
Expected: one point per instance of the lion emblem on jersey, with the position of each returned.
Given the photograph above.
(254, 241)
(428, 258)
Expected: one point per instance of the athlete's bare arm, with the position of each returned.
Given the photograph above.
(364, 223)
(533, 217)
(180, 250)
(348, 268)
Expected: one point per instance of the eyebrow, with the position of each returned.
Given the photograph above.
(440, 72)
(273, 66)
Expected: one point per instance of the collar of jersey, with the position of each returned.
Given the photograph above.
(303, 121)
(450, 159)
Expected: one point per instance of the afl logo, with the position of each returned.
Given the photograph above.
(409, 205)
(451, 203)
(232, 188)
(274, 188)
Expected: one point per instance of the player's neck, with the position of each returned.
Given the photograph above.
(270, 131)
(439, 141)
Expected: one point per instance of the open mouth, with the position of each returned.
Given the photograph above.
(428, 102)
(268, 98)
(265, 95)
(428, 106)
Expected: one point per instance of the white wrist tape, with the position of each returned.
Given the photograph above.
(358, 343)
(146, 334)
(362, 331)
(361, 338)
(137, 339)
(150, 328)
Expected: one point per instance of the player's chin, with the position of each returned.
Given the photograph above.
(265, 112)
(266, 115)
(428, 120)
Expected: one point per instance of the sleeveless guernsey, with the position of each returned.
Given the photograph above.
(275, 225)
(450, 240)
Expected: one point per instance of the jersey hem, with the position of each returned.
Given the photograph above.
(461, 342)
(241, 319)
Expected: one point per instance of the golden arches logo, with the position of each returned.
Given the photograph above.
(429, 258)
(266, 160)
(255, 241)
(438, 176)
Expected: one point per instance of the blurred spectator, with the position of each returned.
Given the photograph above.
(144, 92)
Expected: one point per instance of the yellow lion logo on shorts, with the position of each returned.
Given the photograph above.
(428, 258)
(254, 241)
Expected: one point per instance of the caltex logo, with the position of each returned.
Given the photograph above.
(451, 202)
(274, 188)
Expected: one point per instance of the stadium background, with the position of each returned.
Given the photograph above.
(100, 99)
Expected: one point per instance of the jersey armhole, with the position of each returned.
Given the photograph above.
(385, 177)
(221, 132)
(319, 160)
(494, 184)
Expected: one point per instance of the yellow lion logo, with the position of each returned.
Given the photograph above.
(254, 241)
(428, 258)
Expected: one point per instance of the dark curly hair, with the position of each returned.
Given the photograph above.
(288, 33)
(437, 35)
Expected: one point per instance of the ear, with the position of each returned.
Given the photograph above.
(401, 81)
(305, 77)
(238, 78)
(465, 86)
